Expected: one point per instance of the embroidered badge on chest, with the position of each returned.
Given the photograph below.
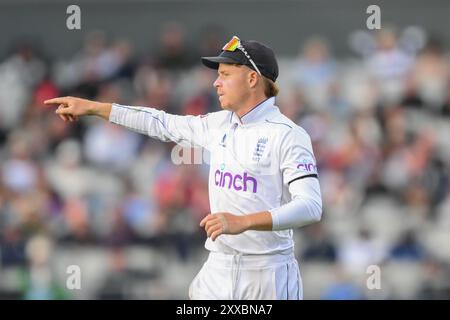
(259, 150)
(223, 142)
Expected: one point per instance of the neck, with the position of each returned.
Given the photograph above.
(249, 105)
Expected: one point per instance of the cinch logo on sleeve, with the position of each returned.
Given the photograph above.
(308, 167)
(306, 163)
(225, 179)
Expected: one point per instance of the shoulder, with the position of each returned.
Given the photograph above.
(289, 131)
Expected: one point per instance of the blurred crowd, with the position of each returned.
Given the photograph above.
(378, 119)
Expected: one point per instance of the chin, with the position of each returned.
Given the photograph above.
(224, 105)
(227, 107)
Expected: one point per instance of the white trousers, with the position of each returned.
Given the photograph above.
(247, 277)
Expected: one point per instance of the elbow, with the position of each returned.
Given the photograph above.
(298, 213)
(318, 216)
(314, 209)
(317, 212)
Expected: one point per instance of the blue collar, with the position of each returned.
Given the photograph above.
(258, 113)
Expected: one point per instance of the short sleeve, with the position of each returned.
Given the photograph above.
(297, 160)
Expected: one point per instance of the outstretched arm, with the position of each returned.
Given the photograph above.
(190, 131)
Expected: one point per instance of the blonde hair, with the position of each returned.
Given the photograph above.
(270, 88)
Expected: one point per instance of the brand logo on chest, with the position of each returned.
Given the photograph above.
(238, 182)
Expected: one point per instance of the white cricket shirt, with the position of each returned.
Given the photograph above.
(253, 161)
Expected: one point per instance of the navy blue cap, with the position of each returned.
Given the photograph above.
(262, 56)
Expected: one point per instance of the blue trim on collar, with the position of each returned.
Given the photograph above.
(259, 104)
(285, 124)
(253, 113)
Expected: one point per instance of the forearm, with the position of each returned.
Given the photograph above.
(102, 110)
(293, 214)
(297, 213)
(261, 221)
(188, 131)
(305, 207)
(144, 120)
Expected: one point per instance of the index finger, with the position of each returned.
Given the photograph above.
(56, 101)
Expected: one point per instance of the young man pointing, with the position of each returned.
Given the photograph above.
(263, 178)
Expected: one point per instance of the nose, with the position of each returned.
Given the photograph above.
(217, 83)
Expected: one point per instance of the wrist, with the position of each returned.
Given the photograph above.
(100, 109)
(247, 222)
(93, 108)
(261, 221)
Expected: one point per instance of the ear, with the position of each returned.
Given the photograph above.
(253, 79)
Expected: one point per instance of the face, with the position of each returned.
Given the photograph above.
(233, 85)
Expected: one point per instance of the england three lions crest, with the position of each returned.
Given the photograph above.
(259, 150)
